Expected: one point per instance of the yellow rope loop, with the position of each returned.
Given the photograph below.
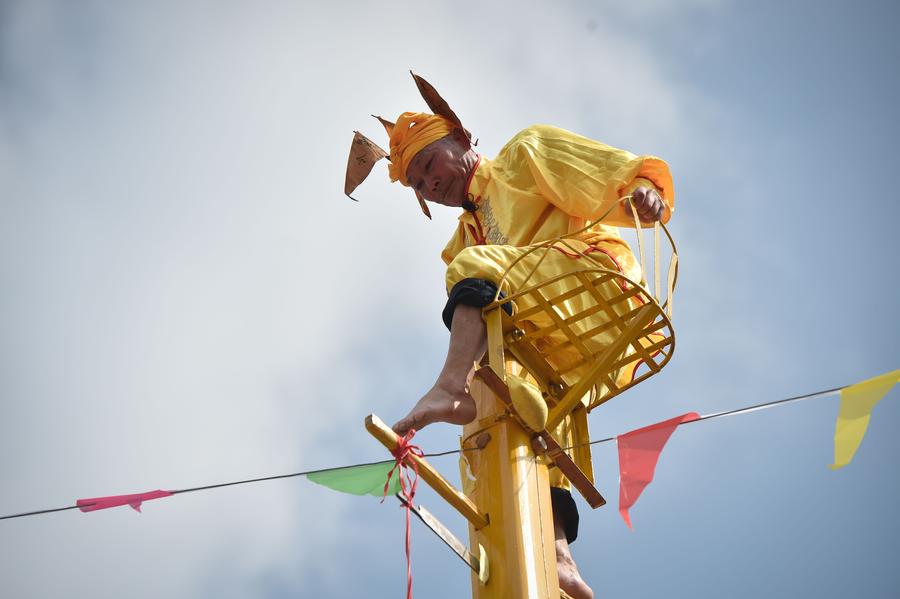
(639, 231)
(656, 288)
(673, 272)
(534, 269)
(516, 261)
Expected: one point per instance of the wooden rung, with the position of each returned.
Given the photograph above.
(652, 347)
(570, 293)
(656, 327)
(650, 361)
(608, 305)
(535, 364)
(633, 357)
(432, 477)
(568, 332)
(571, 320)
(641, 353)
(529, 357)
(571, 471)
(534, 289)
(619, 323)
(587, 285)
(584, 314)
(526, 314)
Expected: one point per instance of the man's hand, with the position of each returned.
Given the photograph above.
(650, 207)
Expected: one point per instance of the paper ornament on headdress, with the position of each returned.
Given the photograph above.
(437, 104)
(364, 153)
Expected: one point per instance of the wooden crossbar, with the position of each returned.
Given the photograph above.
(432, 477)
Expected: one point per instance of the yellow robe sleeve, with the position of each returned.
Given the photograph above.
(456, 244)
(580, 176)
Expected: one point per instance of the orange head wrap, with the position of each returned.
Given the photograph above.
(412, 132)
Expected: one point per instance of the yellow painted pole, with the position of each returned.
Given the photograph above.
(513, 489)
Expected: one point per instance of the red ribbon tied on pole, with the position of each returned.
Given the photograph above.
(408, 484)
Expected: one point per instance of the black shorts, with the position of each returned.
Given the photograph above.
(564, 506)
(471, 292)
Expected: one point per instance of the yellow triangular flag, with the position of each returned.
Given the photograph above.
(857, 402)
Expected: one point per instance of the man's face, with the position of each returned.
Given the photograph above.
(439, 172)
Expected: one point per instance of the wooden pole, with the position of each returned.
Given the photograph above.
(512, 487)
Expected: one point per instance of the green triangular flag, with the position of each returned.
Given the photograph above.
(359, 480)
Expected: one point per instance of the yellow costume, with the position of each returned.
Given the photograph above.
(545, 183)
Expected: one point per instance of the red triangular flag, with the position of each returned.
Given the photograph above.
(134, 500)
(638, 453)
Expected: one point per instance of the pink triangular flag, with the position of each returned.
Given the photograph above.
(135, 500)
(638, 453)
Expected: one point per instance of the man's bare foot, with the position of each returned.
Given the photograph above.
(569, 579)
(438, 405)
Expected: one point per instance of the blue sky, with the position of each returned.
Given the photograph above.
(188, 298)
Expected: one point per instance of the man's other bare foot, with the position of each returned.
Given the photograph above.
(438, 405)
(569, 579)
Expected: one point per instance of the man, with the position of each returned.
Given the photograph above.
(544, 183)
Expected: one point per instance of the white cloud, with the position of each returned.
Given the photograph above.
(188, 283)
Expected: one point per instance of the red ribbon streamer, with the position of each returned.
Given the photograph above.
(407, 488)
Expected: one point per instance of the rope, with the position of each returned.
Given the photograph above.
(762, 406)
(228, 484)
